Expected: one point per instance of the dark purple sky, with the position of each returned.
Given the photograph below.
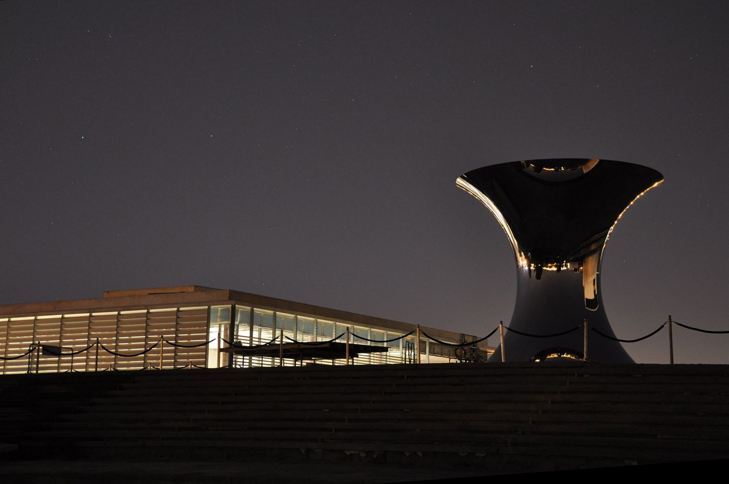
(309, 151)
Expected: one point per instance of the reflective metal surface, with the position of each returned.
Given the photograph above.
(558, 216)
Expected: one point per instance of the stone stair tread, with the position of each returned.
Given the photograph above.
(534, 415)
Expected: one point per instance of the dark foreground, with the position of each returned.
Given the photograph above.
(359, 424)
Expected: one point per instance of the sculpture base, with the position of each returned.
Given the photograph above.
(553, 304)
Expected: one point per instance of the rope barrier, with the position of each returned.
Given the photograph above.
(191, 365)
(630, 340)
(188, 346)
(8, 358)
(240, 345)
(461, 344)
(314, 343)
(700, 330)
(128, 356)
(113, 368)
(73, 353)
(384, 341)
(47, 350)
(545, 335)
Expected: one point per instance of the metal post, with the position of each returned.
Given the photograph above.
(585, 344)
(251, 318)
(347, 347)
(161, 350)
(280, 351)
(31, 348)
(232, 333)
(37, 360)
(96, 360)
(501, 335)
(220, 344)
(417, 345)
(670, 335)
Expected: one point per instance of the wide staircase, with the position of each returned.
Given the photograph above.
(367, 423)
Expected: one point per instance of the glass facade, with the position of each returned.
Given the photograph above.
(267, 325)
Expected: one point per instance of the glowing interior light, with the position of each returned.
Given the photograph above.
(562, 355)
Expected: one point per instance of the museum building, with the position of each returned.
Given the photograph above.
(203, 327)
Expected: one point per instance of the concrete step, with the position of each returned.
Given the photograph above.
(271, 380)
(633, 416)
(548, 422)
(111, 408)
(297, 470)
(377, 420)
(636, 397)
(216, 400)
(580, 406)
(222, 429)
(420, 385)
(517, 369)
(334, 397)
(215, 428)
(373, 373)
(482, 415)
(487, 391)
(352, 388)
(386, 415)
(572, 447)
(531, 425)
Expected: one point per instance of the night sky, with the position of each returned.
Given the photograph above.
(309, 151)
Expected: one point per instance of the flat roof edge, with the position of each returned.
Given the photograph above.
(155, 291)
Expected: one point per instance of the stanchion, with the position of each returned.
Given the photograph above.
(280, 351)
(37, 359)
(501, 336)
(161, 351)
(220, 346)
(585, 343)
(31, 347)
(417, 345)
(670, 336)
(347, 348)
(96, 359)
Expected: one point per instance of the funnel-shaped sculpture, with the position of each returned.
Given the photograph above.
(558, 216)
